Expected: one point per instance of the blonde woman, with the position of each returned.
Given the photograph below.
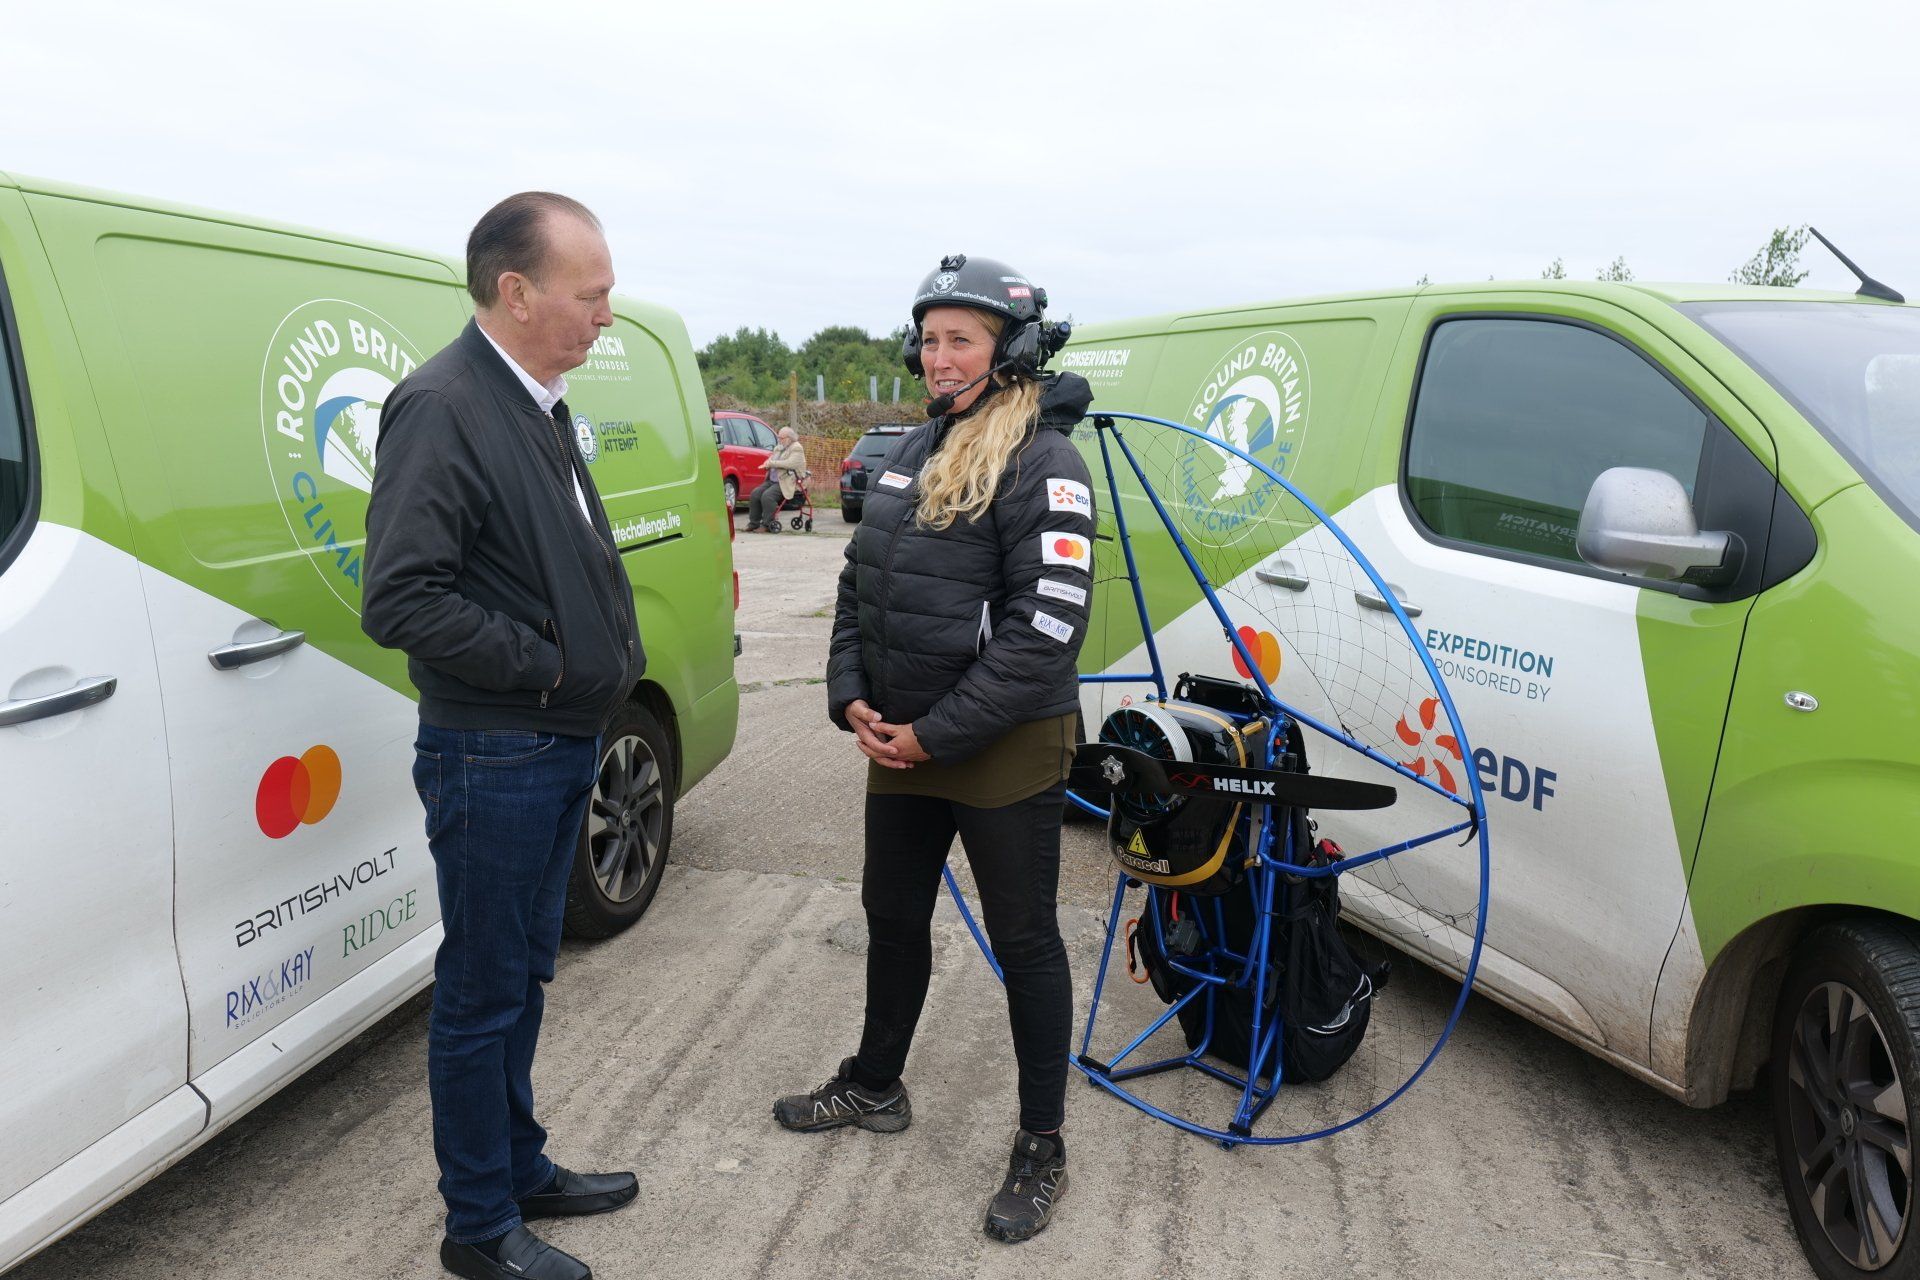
(959, 622)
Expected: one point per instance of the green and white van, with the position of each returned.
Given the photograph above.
(1663, 543)
(213, 869)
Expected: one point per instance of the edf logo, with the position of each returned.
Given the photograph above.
(1517, 781)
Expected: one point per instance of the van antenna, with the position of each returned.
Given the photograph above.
(1869, 287)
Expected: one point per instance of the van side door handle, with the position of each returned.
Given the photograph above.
(229, 657)
(86, 693)
(1282, 574)
(1370, 600)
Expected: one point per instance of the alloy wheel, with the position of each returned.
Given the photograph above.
(626, 818)
(1848, 1115)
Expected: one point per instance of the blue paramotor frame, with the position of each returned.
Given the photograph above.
(1273, 840)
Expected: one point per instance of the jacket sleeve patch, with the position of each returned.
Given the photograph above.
(1069, 495)
(1050, 625)
(1069, 549)
(1062, 591)
(895, 480)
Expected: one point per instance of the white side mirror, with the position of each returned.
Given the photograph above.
(1640, 521)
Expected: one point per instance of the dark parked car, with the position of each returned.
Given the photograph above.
(864, 463)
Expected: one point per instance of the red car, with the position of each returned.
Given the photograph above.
(745, 445)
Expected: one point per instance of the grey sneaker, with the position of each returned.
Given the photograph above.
(841, 1102)
(1036, 1179)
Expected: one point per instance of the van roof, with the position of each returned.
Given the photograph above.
(96, 195)
(1673, 294)
(652, 315)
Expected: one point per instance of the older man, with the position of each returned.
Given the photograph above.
(786, 467)
(491, 564)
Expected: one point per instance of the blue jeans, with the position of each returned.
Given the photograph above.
(504, 809)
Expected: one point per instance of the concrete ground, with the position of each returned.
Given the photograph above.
(1516, 1156)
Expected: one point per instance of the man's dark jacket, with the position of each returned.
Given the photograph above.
(513, 608)
(967, 631)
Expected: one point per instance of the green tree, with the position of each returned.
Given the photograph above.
(1775, 262)
(1617, 271)
(847, 357)
(749, 364)
(1556, 270)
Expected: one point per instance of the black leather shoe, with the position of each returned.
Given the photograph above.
(574, 1195)
(523, 1256)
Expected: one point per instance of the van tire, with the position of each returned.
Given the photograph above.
(628, 828)
(1863, 975)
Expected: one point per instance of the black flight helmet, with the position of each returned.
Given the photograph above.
(986, 285)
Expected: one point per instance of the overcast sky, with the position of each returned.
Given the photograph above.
(796, 165)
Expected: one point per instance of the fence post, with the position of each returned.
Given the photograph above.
(793, 399)
(873, 387)
(820, 387)
(896, 390)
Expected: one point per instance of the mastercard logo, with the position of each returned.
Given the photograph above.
(1069, 549)
(1265, 648)
(296, 793)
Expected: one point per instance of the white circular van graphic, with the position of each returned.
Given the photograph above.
(329, 369)
(1254, 398)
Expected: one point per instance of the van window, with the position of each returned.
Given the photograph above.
(15, 479)
(1852, 368)
(1514, 419)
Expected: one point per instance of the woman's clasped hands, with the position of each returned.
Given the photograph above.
(893, 745)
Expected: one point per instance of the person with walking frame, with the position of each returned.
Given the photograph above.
(786, 468)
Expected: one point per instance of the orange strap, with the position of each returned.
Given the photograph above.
(1138, 977)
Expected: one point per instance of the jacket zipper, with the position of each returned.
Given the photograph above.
(886, 581)
(613, 577)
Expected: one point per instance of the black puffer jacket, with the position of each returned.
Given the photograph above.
(966, 631)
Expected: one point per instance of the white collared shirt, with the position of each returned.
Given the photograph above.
(546, 397)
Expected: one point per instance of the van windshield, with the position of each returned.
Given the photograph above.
(1853, 369)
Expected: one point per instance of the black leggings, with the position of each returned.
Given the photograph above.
(1015, 853)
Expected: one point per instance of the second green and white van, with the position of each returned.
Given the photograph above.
(213, 867)
(1663, 543)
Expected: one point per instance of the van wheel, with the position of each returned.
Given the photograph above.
(1845, 1051)
(623, 843)
(733, 494)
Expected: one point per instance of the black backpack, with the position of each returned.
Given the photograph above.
(1320, 988)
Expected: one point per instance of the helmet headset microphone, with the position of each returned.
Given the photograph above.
(1026, 340)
